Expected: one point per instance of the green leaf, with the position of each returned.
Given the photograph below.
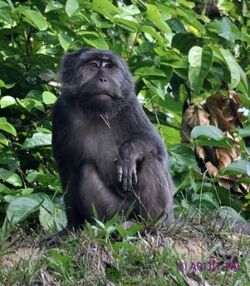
(37, 140)
(7, 101)
(245, 132)
(200, 62)
(223, 143)
(59, 262)
(52, 216)
(34, 18)
(149, 71)
(10, 4)
(182, 157)
(228, 30)
(53, 5)
(225, 29)
(154, 89)
(105, 8)
(71, 7)
(21, 207)
(49, 97)
(95, 40)
(3, 140)
(34, 94)
(154, 15)
(7, 127)
(172, 136)
(3, 188)
(205, 201)
(209, 131)
(65, 40)
(127, 22)
(39, 178)
(6, 85)
(223, 195)
(233, 67)
(10, 177)
(152, 32)
(241, 167)
(29, 104)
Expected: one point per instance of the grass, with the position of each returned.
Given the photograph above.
(107, 254)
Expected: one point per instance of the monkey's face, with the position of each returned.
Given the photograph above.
(98, 79)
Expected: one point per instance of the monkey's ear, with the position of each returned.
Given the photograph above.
(78, 53)
(74, 55)
(70, 59)
(85, 49)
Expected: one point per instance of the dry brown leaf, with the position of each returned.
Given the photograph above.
(200, 152)
(223, 157)
(212, 170)
(222, 112)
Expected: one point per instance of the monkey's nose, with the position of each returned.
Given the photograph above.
(102, 79)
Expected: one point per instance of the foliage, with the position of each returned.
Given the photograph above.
(176, 52)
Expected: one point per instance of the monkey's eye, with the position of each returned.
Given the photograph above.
(94, 64)
(107, 65)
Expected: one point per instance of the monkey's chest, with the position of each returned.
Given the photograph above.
(101, 147)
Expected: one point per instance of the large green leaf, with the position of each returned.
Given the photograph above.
(200, 61)
(52, 216)
(241, 167)
(3, 140)
(34, 18)
(49, 97)
(6, 85)
(29, 104)
(37, 140)
(171, 135)
(71, 7)
(245, 132)
(21, 207)
(52, 6)
(205, 202)
(208, 142)
(149, 71)
(7, 127)
(233, 66)
(152, 32)
(7, 101)
(95, 40)
(128, 22)
(225, 28)
(228, 30)
(183, 156)
(105, 8)
(65, 40)
(154, 15)
(10, 177)
(209, 131)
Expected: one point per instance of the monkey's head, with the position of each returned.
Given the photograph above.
(97, 79)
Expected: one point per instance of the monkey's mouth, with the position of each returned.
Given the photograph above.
(103, 96)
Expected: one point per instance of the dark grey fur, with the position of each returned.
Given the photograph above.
(108, 153)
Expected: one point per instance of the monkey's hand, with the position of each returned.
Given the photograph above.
(126, 167)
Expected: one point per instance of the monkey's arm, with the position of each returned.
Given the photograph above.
(142, 141)
(65, 153)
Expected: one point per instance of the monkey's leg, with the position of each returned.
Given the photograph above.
(94, 194)
(74, 217)
(154, 190)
